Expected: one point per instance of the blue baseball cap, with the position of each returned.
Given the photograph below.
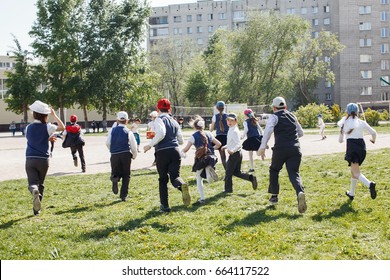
(220, 104)
(352, 107)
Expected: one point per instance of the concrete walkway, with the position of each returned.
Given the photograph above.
(12, 154)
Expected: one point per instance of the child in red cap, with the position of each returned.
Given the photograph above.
(74, 141)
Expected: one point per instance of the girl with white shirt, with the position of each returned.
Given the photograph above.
(352, 128)
(253, 134)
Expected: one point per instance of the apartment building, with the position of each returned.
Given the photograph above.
(6, 64)
(362, 26)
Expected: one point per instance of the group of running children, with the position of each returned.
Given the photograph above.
(166, 138)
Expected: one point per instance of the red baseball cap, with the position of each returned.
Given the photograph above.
(164, 104)
(73, 118)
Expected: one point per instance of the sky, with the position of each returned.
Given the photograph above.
(17, 17)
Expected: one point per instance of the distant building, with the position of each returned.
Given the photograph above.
(7, 63)
(362, 26)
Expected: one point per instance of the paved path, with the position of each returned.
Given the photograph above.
(12, 154)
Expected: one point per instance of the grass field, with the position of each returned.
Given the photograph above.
(82, 220)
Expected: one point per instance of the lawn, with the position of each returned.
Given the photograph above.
(83, 220)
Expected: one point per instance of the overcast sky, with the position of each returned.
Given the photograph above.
(17, 17)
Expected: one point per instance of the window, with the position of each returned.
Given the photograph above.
(366, 91)
(209, 17)
(326, 21)
(314, 21)
(199, 17)
(386, 79)
(303, 11)
(314, 10)
(365, 42)
(385, 48)
(383, 2)
(158, 32)
(326, 9)
(211, 28)
(177, 19)
(366, 74)
(384, 16)
(385, 96)
(385, 64)
(177, 31)
(158, 20)
(364, 10)
(238, 15)
(222, 16)
(199, 41)
(327, 84)
(189, 18)
(384, 32)
(365, 58)
(328, 96)
(365, 26)
(290, 11)
(189, 30)
(315, 34)
(199, 29)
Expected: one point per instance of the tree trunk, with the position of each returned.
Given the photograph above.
(86, 124)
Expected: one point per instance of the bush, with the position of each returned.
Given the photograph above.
(384, 115)
(336, 112)
(308, 115)
(372, 117)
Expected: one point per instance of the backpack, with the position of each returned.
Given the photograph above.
(202, 151)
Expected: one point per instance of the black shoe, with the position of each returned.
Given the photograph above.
(251, 170)
(351, 197)
(123, 199)
(373, 190)
(273, 200)
(36, 213)
(165, 209)
(75, 162)
(254, 182)
(115, 187)
(83, 170)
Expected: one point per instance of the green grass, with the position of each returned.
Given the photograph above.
(82, 219)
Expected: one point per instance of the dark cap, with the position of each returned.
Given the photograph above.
(232, 116)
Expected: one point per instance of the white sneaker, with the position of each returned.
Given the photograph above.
(36, 201)
(211, 175)
(302, 207)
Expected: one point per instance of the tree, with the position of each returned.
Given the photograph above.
(308, 115)
(23, 82)
(197, 90)
(261, 52)
(313, 62)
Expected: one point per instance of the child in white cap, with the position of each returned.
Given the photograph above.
(123, 148)
(352, 127)
(38, 135)
(205, 162)
(233, 164)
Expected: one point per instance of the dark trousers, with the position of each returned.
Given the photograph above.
(36, 169)
(233, 168)
(291, 156)
(79, 149)
(120, 169)
(168, 167)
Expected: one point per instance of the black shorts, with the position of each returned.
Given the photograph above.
(222, 138)
(356, 151)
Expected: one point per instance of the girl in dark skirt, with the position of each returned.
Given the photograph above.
(219, 124)
(204, 163)
(352, 128)
(253, 134)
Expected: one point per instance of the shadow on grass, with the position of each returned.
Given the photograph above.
(259, 217)
(10, 223)
(343, 210)
(150, 172)
(87, 208)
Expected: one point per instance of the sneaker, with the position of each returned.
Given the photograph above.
(373, 190)
(36, 201)
(164, 209)
(254, 182)
(301, 202)
(211, 175)
(351, 197)
(123, 199)
(201, 201)
(273, 200)
(83, 170)
(115, 181)
(36, 212)
(251, 170)
(75, 162)
(185, 194)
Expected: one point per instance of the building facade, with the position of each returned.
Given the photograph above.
(362, 27)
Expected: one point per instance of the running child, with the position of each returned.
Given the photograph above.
(253, 134)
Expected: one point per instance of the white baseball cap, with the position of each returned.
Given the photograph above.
(40, 107)
(279, 102)
(122, 115)
(154, 114)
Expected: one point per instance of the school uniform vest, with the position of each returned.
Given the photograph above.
(286, 130)
(199, 141)
(170, 140)
(252, 129)
(119, 140)
(37, 141)
(224, 122)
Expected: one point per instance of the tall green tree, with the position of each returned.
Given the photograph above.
(55, 42)
(22, 82)
(112, 50)
(312, 63)
(260, 53)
